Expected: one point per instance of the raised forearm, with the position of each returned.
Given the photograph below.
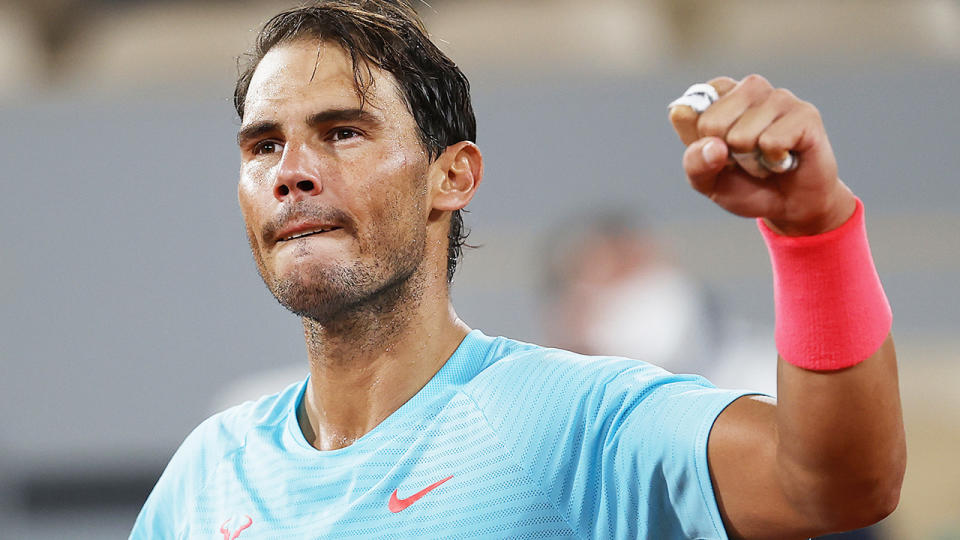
(840, 445)
(841, 449)
(830, 454)
(840, 435)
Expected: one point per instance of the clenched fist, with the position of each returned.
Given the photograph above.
(749, 116)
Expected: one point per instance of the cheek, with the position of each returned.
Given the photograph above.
(252, 224)
(378, 181)
(399, 204)
(254, 177)
(407, 170)
(247, 197)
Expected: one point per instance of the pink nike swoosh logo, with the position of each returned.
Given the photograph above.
(399, 505)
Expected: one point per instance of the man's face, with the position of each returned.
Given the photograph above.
(335, 197)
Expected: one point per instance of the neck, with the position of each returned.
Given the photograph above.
(370, 361)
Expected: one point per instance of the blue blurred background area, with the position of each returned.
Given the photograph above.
(129, 301)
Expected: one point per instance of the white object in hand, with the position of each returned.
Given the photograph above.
(698, 97)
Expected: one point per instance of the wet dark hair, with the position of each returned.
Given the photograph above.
(390, 36)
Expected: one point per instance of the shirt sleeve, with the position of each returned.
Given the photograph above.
(657, 456)
(163, 514)
(618, 447)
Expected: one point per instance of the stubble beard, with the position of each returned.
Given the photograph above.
(354, 298)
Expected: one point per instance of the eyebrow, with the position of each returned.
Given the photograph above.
(342, 115)
(257, 129)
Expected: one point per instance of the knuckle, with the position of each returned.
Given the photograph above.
(754, 81)
(740, 140)
(722, 83)
(782, 95)
(811, 110)
(720, 80)
(711, 126)
(769, 141)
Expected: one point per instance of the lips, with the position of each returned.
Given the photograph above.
(303, 230)
(307, 233)
(301, 220)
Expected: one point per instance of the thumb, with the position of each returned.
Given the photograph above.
(703, 161)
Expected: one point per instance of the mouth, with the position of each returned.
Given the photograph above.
(294, 235)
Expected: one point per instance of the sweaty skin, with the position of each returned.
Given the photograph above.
(347, 219)
(369, 277)
(830, 453)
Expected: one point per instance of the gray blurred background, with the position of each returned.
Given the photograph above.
(129, 298)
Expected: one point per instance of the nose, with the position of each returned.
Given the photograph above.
(298, 175)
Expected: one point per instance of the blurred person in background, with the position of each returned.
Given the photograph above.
(357, 156)
(612, 288)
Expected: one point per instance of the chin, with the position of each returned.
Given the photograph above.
(327, 294)
(319, 295)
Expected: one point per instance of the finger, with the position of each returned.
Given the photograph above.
(722, 84)
(684, 117)
(779, 162)
(796, 130)
(684, 121)
(746, 130)
(703, 161)
(720, 117)
(750, 163)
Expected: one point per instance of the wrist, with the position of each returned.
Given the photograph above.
(831, 311)
(836, 211)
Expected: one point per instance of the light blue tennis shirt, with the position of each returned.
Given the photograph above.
(507, 440)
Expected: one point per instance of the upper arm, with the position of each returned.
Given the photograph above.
(742, 453)
(828, 456)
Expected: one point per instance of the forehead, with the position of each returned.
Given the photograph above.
(309, 74)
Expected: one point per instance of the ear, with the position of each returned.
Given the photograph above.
(456, 174)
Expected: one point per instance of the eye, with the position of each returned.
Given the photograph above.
(343, 133)
(266, 147)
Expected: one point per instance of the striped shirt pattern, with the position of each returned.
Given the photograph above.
(507, 440)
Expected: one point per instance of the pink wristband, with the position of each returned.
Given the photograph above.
(831, 310)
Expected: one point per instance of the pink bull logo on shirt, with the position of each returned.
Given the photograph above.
(227, 535)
